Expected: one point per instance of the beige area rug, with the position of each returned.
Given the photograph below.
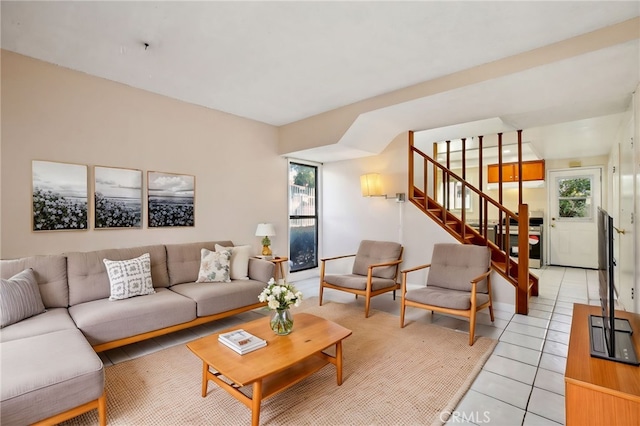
(392, 376)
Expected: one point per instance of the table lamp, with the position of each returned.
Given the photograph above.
(265, 230)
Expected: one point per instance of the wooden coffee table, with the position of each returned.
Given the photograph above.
(285, 360)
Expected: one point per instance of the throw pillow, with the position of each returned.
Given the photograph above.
(129, 278)
(239, 261)
(214, 266)
(19, 298)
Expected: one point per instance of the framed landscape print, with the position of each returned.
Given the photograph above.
(170, 199)
(59, 196)
(118, 198)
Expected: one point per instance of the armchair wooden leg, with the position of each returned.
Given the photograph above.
(320, 295)
(472, 328)
(491, 313)
(402, 308)
(366, 307)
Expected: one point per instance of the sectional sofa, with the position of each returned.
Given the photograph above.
(49, 367)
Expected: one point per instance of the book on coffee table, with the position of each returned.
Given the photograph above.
(241, 341)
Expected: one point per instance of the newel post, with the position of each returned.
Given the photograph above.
(522, 291)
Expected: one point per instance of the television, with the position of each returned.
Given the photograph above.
(610, 337)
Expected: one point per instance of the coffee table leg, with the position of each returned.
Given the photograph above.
(256, 400)
(339, 361)
(205, 371)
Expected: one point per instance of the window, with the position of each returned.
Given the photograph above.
(303, 216)
(574, 198)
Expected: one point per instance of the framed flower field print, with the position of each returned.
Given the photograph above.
(117, 197)
(59, 196)
(170, 199)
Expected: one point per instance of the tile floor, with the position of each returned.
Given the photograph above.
(522, 383)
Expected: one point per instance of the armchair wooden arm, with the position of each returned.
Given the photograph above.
(325, 259)
(377, 265)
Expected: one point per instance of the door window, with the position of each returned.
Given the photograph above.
(575, 198)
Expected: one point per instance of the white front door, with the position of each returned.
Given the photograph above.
(574, 197)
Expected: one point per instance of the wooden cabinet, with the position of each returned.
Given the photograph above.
(531, 170)
(597, 391)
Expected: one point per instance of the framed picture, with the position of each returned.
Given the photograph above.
(59, 196)
(117, 197)
(170, 199)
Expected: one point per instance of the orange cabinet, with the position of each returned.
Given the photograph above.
(531, 170)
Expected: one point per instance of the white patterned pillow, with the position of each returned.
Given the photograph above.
(239, 261)
(19, 298)
(214, 266)
(129, 278)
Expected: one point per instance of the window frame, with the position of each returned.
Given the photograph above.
(315, 216)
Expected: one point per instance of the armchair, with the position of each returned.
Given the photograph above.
(459, 283)
(375, 271)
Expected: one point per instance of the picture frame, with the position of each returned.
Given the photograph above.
(170, 200)
(59, 196)
(117, 197)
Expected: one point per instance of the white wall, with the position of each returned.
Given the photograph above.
(56, 114)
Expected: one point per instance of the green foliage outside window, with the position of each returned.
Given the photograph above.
(573, 197)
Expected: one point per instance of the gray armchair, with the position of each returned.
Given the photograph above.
(459, 283)
(375, 271)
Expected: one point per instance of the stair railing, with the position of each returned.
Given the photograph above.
(425, 174)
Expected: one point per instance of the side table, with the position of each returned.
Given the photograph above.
(279, 261)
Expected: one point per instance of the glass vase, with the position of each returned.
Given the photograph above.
(282, 322)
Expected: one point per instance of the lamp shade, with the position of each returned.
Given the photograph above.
(265, 230)
(370, 185)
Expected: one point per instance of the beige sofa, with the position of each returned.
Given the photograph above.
(49, 367)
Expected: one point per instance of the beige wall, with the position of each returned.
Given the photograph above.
(53, 113)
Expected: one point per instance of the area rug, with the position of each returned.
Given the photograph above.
(392, 376)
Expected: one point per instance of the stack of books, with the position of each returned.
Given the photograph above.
(241, 341)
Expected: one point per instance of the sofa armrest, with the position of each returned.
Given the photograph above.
(261, 270)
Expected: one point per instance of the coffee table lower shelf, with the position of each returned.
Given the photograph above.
(270, 385)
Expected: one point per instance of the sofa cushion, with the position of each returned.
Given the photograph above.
(102, 321)
(359, 282)
(51, 275)
(453, 266)
(183, 260)
(88, 279)
(446, 298)
(46, 375)
(214, 298)
(19, 298)
(239, 268)
(214, 266)
(54, 319)
(129, 278)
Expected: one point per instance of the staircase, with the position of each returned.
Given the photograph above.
(433, 189)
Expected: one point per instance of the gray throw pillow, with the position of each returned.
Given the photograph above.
(19, 298)
(129, 278)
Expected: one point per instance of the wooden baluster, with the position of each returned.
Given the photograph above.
(464, 187)
(480, 206)
(520, 170)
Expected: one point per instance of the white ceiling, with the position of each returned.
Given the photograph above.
(279, 62)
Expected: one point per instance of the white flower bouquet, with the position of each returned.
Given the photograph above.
(280, 296)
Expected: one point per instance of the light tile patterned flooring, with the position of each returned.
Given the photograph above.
(522, 383)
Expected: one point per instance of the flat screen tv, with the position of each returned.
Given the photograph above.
(610, 337)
